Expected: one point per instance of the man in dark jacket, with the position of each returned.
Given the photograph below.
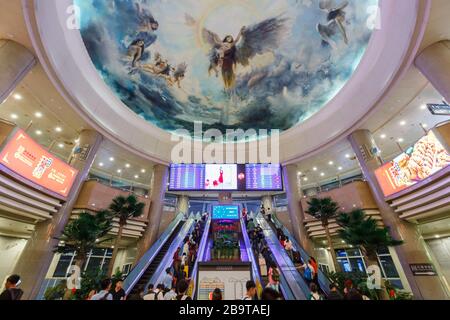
(11, 291)
(334, 293)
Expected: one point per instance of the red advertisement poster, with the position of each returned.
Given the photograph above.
(420, 161)
(27, 158)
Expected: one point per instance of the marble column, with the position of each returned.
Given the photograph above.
(15, 63)
(434, 63)
(157, 193)
(296, 213)
(413, 250)
(37, 255)
(183, 205)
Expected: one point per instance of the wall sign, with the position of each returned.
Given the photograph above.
(423, 269)
(442, 109)
(27, 158)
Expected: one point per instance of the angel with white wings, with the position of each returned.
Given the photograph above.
(226, 54)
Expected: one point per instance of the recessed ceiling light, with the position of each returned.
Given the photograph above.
(347, 156)
(38, 132)
(315, 168)
(322, 174)
(383, 136)
(423, 107)
(331, 163)
(61, 145)
(305, 179)
(101, 164)
(424, 125)
(400, 140)
(111, 159)
(77, 140)
(299, 173)
(38, 114)
(17, 96)
(403, 122)
(58, 129)
(119, 171)
(437, 236)
(14, 116)
(136, 177)
(127, 165)
(340, 168)
(143, 170)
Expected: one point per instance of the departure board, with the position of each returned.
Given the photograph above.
(187, 177)
(263, 177)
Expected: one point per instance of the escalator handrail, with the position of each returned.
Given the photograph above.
(137, 272)
(251, 256)
(324, 282)
(200, 254)
(168, 257)
(287, 267)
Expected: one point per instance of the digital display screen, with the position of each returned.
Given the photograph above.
(225, 177)
(225, 212)
(27, 158)
(263, 177)
(221, 177)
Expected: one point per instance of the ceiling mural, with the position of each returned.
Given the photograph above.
(259, 64)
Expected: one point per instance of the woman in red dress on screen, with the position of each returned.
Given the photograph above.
(221, 176)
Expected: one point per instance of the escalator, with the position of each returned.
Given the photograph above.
(324, 282)
(148, 264)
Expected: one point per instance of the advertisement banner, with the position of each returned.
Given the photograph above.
(27, 158)
(420, 161)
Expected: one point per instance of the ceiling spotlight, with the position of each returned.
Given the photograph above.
(400, 140)
(299, 173)
(143, 170)
(77, 140)
(403, 122)
(38, 114)
(101, 164)
(322, 174)
(423, 107)
(17, 96)
(437, 236)
(58, 129)
(347, 156)
(136, 177)
(315, 168)
(305, 179)
(424, 125)
(383, 136)
(14, 116)
(331, 163)
(61, 145)
(38, 132)
(111, 159)
(119, 171)
(340, 168)
(127, 165)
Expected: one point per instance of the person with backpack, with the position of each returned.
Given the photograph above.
(12, 292)
(314, 295)
(274, 277)
(182, 289)
(308, 272)
(104, 293)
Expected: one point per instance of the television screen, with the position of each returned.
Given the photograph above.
(187, 177)
(263, 177)
(225, 212)
(220, 177)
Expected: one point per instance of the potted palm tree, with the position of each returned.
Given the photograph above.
(123, 208)
(363, 231)
(324, 209)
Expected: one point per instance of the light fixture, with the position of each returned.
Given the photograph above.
(38, 132)
(38, 114)
(305, 179)
(424, 125)
(383, 136)
(14, 116)
(315, 168)
(437, 236)
(101, 164)
(400, 140)
(347, 156)
(322, 174)
(340, 168)
(61, 145)
(331, 163)
(143, 170)
(299, 173)
(136, 177)
(17, 96)
(58, 129)
(127, 165)
(119, 170)
(403, 122)
(111, 159)
(77, 140)
(423, 107)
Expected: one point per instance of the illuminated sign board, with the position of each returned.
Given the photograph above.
(28, 159)
(440, 109)
(420, 161)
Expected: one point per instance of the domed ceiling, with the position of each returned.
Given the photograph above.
(259, 64)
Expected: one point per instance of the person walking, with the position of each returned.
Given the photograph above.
(12, 292)
(251, 290)
(104, 293)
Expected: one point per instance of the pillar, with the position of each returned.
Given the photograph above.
(157, 193)
(37, 255)
(296, 213)
(434, 63)
(15, 63)
(413, 250)
(183, 205)
(267, 202)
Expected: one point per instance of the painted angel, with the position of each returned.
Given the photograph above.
(335, 21)
(256, 39)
